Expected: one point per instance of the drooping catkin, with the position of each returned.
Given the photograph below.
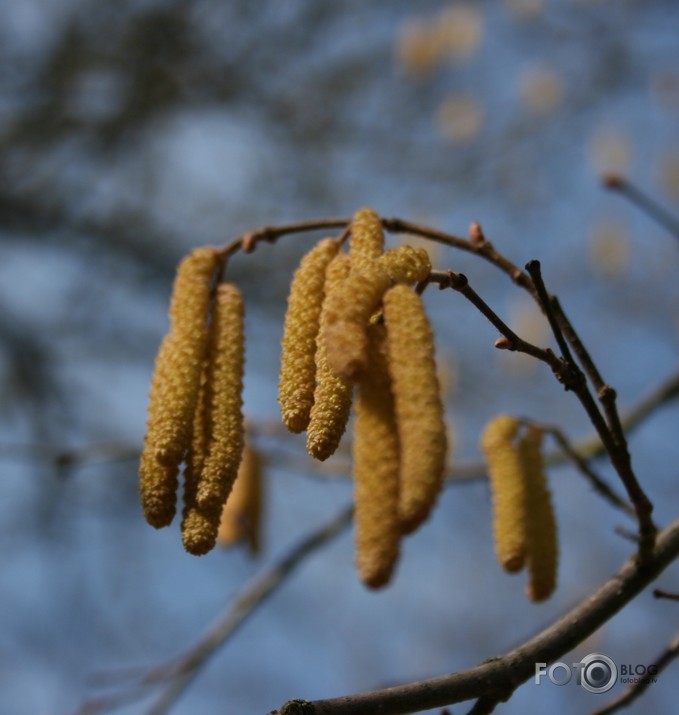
(348, 312)
(175, 385)
(508, 489)
(298, 367)
(542, 533)
(366, 243)
(417, 401)
(376, 464)
(241, 517)
(225, 387)
(332, 396)
(198, 527)
(406, 264)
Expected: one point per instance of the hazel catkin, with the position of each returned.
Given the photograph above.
(542, 533)
(198, 527)
(376, 465)
(348, 313)
(225, 387)
(366, 243)
(508, 489)
(417, 401)
(332, 396)
(298, 367)
(175, 385)
(406, 264)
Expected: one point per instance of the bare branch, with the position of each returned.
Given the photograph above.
(611, 435)
(638, 688)
(502, 675)
(649, 206)
(183, 669)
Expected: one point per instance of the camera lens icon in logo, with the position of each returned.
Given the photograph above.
(598, 673)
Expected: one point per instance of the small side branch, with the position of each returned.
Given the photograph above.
(179, 672)
(504, 674)
(592, 477)
(248, 241)
(648, 205)
(610, 433)
(510, 340)
(638, 688)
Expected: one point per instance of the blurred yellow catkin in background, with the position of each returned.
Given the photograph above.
(242, 515)
(542, 536)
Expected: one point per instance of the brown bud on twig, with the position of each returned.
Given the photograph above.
(476, 235)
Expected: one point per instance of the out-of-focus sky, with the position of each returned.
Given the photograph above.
(131, 132)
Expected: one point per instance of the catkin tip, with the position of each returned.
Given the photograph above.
(366, 244)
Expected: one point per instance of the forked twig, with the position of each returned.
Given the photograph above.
(502, 675)
(640, 686)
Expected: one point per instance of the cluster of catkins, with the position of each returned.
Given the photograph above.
(195, 407)
(524, 526)
(354, 320)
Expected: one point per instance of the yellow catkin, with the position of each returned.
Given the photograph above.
(508, 488)
(406, 264)
(348, 312)
(298, 367)
(225, 387)
(198, 528)
(241, 517)
(376, 464)
(366, 243)
(417, 399)
(542, 533)
(175, 385)
(332, 397)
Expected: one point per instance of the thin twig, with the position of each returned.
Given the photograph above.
(477, 244)
(248, 241)
(637, 689)
(506, 673)
(659, 593)
(648, 205)
(607, 395)
(186, 667)
(459, 283)
(594, 479)
(485, 705)
(182, 669)
(611, 436)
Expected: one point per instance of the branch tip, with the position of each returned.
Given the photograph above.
(613, 181)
